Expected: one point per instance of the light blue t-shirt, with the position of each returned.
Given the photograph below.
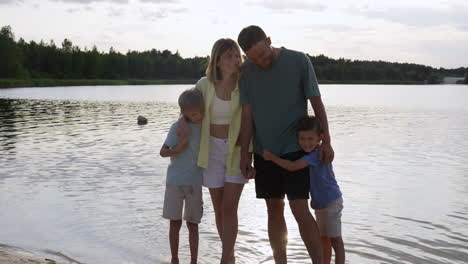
(183, 169)
(323, 186)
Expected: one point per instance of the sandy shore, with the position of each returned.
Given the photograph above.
(15, 255)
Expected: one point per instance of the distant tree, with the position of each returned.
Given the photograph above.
(434, 78)
(466, 78)
(10, 55)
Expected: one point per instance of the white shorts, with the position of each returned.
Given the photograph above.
(174, 198)
(329, 219)
(216, 174)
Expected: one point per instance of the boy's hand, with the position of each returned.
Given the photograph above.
(267, 155)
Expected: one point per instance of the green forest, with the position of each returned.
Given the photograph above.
(47, 64)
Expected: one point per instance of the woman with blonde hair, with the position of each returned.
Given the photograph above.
(219, 154)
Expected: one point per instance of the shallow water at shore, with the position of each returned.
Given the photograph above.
(80, 177)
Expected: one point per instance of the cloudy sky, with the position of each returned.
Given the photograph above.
(426, 32)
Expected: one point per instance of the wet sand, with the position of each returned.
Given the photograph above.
(15, 255)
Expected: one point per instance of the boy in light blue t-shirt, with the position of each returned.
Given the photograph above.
(184, 177)
(326, 197)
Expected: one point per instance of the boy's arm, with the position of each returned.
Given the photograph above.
(166, 151)
(286, 164)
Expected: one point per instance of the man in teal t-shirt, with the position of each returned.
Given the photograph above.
(275, 85)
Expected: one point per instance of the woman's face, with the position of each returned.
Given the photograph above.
(230, 62)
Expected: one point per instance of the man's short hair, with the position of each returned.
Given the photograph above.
(310, 123)
(249, 36)
(190, 99)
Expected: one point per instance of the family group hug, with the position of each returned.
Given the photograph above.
(254, 111)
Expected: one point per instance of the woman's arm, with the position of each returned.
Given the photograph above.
(285, 164)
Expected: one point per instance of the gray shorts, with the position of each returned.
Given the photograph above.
(176, 196)
(329, 219)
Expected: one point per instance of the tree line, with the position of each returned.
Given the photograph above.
(23, 60)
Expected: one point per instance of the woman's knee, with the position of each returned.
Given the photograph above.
(336, 241)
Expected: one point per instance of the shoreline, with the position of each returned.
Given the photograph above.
(16, 255)
(23, 83)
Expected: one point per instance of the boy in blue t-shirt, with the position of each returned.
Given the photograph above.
(184, 178)
(326, 197)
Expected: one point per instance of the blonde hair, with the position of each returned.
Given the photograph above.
(221, 46)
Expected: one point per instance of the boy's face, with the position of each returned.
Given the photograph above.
(195, 115)
(309, 140)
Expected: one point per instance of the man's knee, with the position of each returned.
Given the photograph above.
(300, 208)
(275, 207)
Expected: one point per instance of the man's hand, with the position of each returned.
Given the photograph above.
(267, 155)
(251, 173)
(326, 153)
(246, 165)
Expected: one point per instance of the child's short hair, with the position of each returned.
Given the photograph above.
(190, 99)
(310, 123)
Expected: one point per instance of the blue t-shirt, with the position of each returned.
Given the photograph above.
(183, 169)
(323, 186)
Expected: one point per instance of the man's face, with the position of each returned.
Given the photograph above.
(261, 53)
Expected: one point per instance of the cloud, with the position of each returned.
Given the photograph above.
(289, 6)
(337, 28)
(161, 13)
(7, 2)
(159, 1)
(454, 16)
(92, 1)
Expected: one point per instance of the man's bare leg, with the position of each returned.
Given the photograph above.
(277, 230)
(308, 229)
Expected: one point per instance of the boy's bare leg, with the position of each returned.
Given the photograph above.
(174, 240)
(327, 249)
(193, 242)
(231, 197)
(308, 229)
(277, 230)
(338, 247)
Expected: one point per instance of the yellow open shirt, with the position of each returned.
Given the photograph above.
(233, 160)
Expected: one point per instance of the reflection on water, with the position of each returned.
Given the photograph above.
(80, 177)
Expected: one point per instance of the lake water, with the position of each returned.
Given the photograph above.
(79, 177)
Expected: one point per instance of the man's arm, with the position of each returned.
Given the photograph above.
(326, 151)
(285, 164)
(246, 132)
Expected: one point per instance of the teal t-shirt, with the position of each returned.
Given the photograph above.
(183, 169)
(278, 96)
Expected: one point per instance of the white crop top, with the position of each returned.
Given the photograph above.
(220, 111)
